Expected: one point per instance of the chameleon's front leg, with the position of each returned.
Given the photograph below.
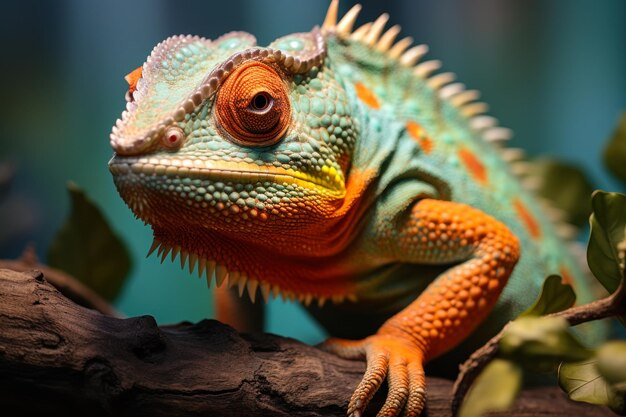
(445, 313)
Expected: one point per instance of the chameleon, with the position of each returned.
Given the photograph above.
(338, 168)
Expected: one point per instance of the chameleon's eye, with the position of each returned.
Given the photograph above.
(261, 101)
(252, 105)
(173, 137)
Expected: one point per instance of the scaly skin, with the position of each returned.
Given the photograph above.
(327, 167)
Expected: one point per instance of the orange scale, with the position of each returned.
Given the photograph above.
(473, 165)
(527, 218)
(566, 277)
(367, 96)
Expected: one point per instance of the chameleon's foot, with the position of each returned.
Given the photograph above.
(388, 357)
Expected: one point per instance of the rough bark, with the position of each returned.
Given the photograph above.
(58, 358)
(68, 285)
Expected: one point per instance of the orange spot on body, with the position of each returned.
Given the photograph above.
(367, 96)
(566, 277)
(132, 78)
(418, 133)
(473, 165)
(415, 129)
(427, 144)
(529, 221)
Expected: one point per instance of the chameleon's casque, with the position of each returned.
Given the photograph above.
(333, 165)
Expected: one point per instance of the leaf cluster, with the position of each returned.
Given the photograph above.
(541, 341)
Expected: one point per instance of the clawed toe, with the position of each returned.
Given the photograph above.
(399, 387)
(387, 358)
(417, 392)
(377, 366)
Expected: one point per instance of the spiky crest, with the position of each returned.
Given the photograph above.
(373, 35)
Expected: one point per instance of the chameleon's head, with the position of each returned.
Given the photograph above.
(222, 140)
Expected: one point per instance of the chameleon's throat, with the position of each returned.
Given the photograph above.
(212, 270)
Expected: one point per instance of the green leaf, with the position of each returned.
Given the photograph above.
(565, 186)
(495, 389)
(554, 297)
(541, 343)
(615, 151)
(87, 248)
(612, 364)
(583, 382)
(607, 232)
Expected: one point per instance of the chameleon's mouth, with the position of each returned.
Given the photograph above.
(331, 183)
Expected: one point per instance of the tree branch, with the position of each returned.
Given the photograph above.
(68, 285)
(57, 358)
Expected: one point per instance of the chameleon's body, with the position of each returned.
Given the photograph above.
(344, 177)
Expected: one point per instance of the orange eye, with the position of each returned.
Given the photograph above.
(252, 105)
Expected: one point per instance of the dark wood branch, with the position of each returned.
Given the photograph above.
(67, 284)
(57, 358)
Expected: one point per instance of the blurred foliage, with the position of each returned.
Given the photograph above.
(555, 296)
(612, 363)
(602, 380)
(583, 382)
(608, 223)
(615, 151)
(495, 389)
(87, 248)
(541, 343)
(566, 186)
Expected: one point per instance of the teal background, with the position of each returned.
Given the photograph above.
(554, 71)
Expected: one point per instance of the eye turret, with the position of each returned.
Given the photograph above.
(252, 105)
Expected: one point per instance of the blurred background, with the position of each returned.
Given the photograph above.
(553, 71)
